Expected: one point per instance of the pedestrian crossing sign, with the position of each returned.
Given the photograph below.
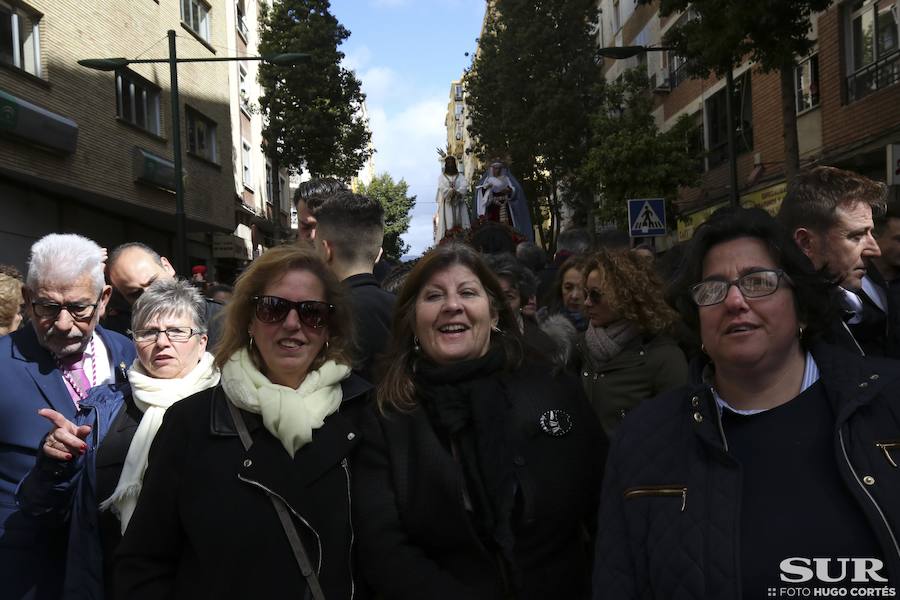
(647, 217)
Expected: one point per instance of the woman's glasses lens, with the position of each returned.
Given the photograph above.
(312, 313)
(751, 285)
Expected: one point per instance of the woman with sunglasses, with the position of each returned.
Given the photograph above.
(626, 353)
(775, 473)
(169, 331)
(247, 490)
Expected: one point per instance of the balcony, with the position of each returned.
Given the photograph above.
(880, 74)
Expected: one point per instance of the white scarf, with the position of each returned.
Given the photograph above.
(290, 415)
(152, 396)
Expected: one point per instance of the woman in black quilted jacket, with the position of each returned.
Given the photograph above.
(775, 473)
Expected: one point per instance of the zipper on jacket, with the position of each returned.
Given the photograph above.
(296, 514)
(886, 447)
(352, 536)
(659, 490)
(866, 492)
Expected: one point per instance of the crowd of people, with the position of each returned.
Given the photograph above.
(485, 422)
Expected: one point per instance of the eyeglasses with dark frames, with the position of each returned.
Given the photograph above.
(175, 334)
(755, 284)
(312, 313)
(44, 309)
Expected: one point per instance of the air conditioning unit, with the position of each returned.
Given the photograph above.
(660, 82)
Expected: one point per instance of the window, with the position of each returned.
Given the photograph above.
(247, 177)
(201, 133)
(717, 122)
(458, 110)
(241, 18)
(195, 15)
(242, 86)
(457, 91)
(137, 101)
(806, 83)
(270, 182)
(874, 47)
(19, 39)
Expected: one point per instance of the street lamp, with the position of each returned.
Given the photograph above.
(111, 64)
(623, 52)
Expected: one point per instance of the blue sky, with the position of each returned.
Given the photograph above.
(406, 53)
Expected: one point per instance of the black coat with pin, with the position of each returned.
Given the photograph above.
(416, 536)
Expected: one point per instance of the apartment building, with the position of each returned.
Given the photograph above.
(848, 102)
(90, 152)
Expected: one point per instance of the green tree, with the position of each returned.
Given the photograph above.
(312, 109)
(530, 95)
(629, 156)
(397, 206)
(772, 33)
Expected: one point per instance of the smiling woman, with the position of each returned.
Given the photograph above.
(278, 430)
(500, 460)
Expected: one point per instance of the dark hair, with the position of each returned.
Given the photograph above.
(314, 191)
(267, 269)
(353, 224)
(118, 250)
(812, 291)
(219, 287)
(520, 278)
(892, 211)
(397, 389)
(575, 240)
(613, 239)
(814, 195)
(450, 166)
(553, 299)
(492, 237)
(531, 255)
(395, 279)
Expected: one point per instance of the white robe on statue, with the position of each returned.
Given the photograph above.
(452, 210)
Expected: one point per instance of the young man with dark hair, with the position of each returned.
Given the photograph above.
(349, 232)
(307, 199)
(829, 213)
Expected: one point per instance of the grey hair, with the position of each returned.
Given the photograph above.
(62, 259)
(170, 297)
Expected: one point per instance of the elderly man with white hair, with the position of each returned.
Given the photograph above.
(60, 369)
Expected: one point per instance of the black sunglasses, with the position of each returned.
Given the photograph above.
(312, 313)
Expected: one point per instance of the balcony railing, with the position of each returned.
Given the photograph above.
(880, 74)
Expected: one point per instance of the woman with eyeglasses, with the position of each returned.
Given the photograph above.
(774, 474)
(627, 355)
(97, 494)
(247, 493)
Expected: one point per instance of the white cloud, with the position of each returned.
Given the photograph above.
(406, 143)
(357, 58)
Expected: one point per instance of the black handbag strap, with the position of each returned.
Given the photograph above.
(284, 516)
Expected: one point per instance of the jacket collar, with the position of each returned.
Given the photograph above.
(850, 380)
(361, 279)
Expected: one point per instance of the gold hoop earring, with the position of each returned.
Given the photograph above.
(251, 342)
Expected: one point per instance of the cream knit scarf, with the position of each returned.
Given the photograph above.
(152, 396)
(290, 415)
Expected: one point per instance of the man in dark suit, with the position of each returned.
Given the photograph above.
(882, 283)
(133, 266)
(349, 232)
(50, 366)
(829, 213)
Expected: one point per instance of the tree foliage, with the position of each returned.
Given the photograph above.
(629, 156)
(312, 109)
(530, 93)
(397, 206)
(771, 33)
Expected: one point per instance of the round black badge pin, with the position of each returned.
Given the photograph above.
(556, 422)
